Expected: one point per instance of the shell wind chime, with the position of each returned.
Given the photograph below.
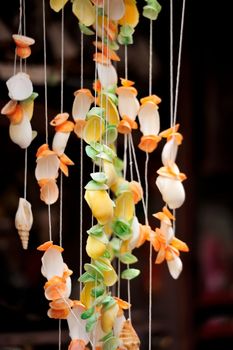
(99, 318)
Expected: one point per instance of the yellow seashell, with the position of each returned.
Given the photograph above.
(111, 111)
(93, 129)
(125, 206)
(110, 277)
(131, 16)
(85, 295)
(94, 247)
(108, 318)
(101, 205)
(110, 172)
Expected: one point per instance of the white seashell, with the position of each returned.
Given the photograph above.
(77, 325)
(21, 133)
(167, 230)
(49, 192)
(128, 104)
(60, 140)
(47, 167)
(19, 86)
(169, 152)
(81, 105)
(118, 325)
(107, 75)
(115, 9)
(172, 191)
(52, 263)
(68, 287)
(175, 266)
(135, 228)
(149, 119)
(23, 221)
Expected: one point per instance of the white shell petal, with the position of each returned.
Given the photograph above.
(81, 106)
(52, 263)
(21, 133)
(47, 167)
(149, 119)
(49, 192)
(77, 325)
(135, 233)
(115, 10)
(175, 267)
(68, 287)
(60, 140)
(169, 152)
(107, 75)
(19, 86)
(23, 221)
(172, 191)
(128, 105)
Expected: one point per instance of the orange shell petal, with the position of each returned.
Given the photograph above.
(67, 126)
(78, 303)
(79, 127)
(58, 314)
(59, 119)
(178, 137)
(132, 123)
(180, 245)
(144, 235)
(109, 53)
(66, 160)
(122, 303)
(44, 151)
(84, 91)
(43, 247)
(126, 82)
(161, 256)
(101, 58)
(122, 89)
(77, 344)
(55, 291)
(149, 143)
(169, 131)
(152, 98)
(9, 107)
(60, 304)
(22, 40)
(124, 127)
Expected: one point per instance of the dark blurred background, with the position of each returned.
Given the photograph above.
(196, 311)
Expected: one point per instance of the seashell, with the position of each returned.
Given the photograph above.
(129, 337)
(49, 192)
(52, 263)
(175, 266)
(82, 103)
(47, 167)
(21, 133)
(23, 221)
(84, 11)
(135, 234)
(172, 191)
(61, 314)
(149, 119)
(77, 329)
(131, 15)
(124, 206)
(19, 86)
(60, 140)
(77, 344)
(57, 5)
(55, 288)
(107, 75)
(94, 247)
(22, 40)
(115, 9)
(128, 103)
(169, 152)
(100, 204)
(108, 317)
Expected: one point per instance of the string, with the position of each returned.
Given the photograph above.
(126, 62)
(61, 209)
(171, 62)
(147, 188)
(96, 39)
(25, 172)
(179, 63)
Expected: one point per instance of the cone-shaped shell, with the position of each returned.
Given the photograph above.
(172, 191)
(149, 119)
(94, 247)
(60, 140)
(47, 167)
(21, 133)
(129, 337)
(107, 75)
(131, 15)
(115, 9)
(52, 263)
(82, 103)
(49, 192)
(84, 11)
(19, 86)
(124, 206)
(169, 152)
(128, 104)
(23, 221)
(57, 5)
(175, 266)
(93, 129)
(77, 328)
(100, 204)
(108, 318)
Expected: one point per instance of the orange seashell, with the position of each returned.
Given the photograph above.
(23, 52)
(129, 337)
(79, 127)
(101, 58)
(60, 304)
(166, 133)
(44, 151)
(77, 344)
(126, 82)
(152, 98)
(144, 235)
(14, 111)
(97, 86)
(59, 119)
(66, 160)
(122, 89)
(109, 53)
(177, 136)
(9, 108)
(58, 314)
(43, 247)
(22, 40)
(149, 143)
(78, 303)
(55, 289)
(67, 126)
(137, 191)
(122, 303)
(124, 127)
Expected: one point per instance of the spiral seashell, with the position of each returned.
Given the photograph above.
(129, 337)
(23, 221)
